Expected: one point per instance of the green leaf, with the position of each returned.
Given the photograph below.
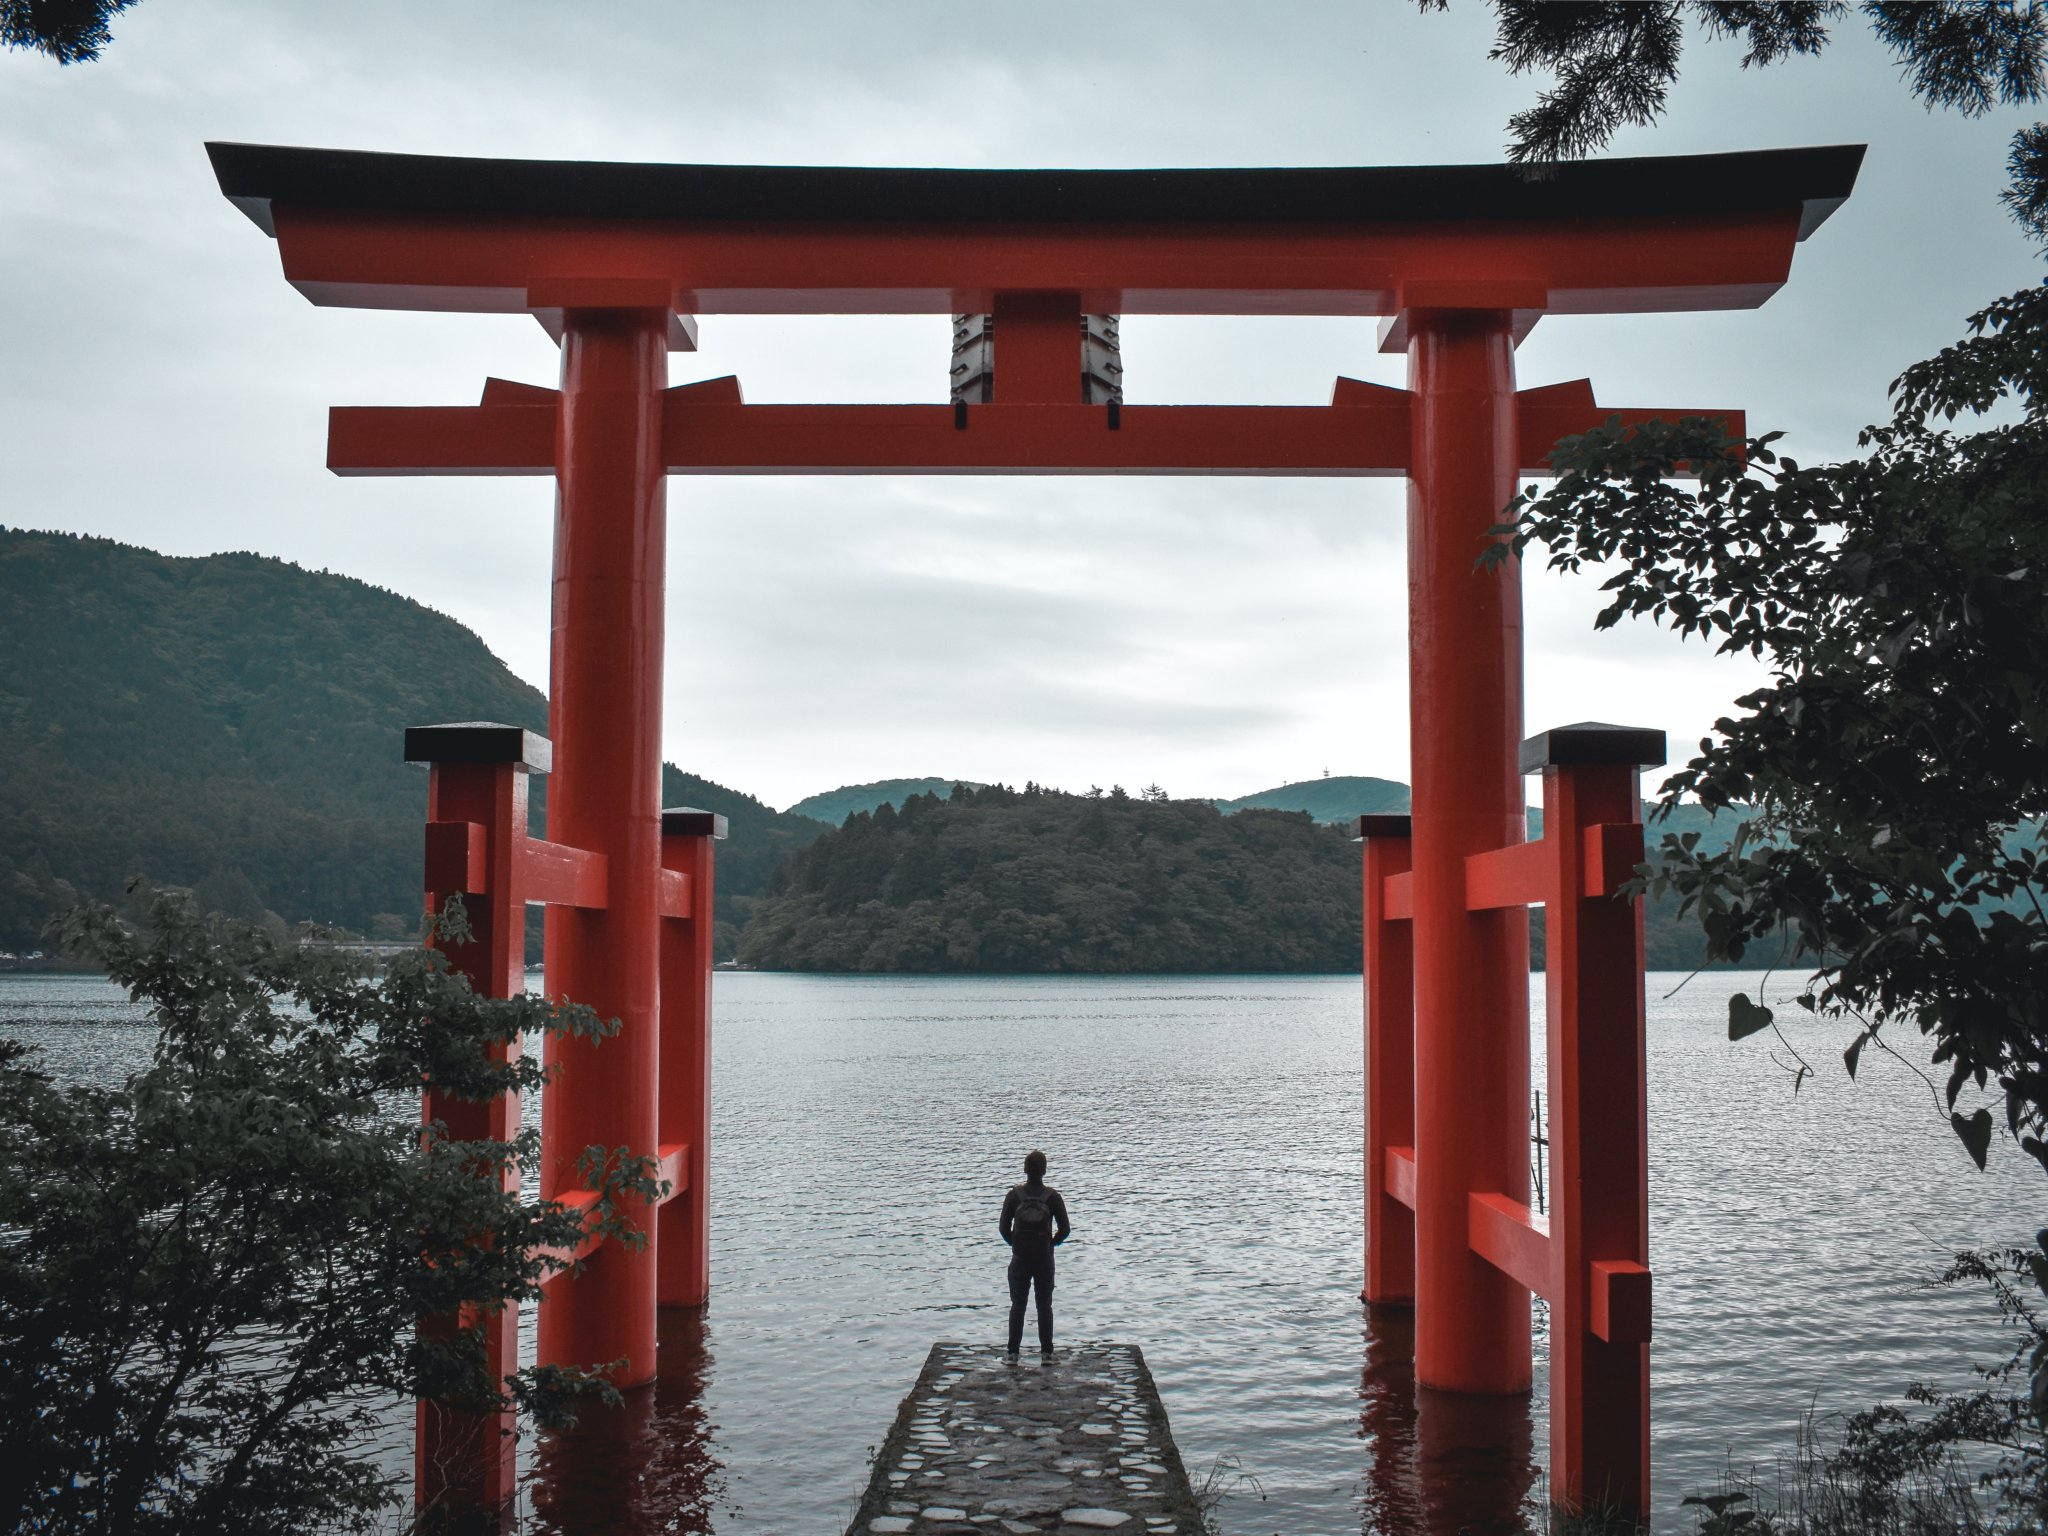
(1855, 1051)
(1746, 1018)
(1975, 1133)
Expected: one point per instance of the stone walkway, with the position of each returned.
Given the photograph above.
(1076, 1445)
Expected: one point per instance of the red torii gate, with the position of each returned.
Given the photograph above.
(618, 260)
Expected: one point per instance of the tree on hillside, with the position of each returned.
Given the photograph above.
(1893, 772)
(212, 1275)
(69, 31)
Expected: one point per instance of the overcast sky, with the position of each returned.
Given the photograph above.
(164, 386)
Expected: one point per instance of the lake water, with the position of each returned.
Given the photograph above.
(1205, 1132)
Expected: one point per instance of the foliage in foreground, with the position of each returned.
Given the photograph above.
(1886, 769)
(69, 31)
(212, 1275)
(1966, 1462)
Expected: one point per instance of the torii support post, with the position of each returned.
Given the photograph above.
(465, 1465)
(1471, 968)
(605, 712)
(683, 1235)
(1599, 1129)
(1590, 1257)
(1389, 1063)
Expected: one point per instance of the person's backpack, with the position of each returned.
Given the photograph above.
(1032, 1221)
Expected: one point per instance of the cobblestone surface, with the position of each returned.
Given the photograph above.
(1076, 1445)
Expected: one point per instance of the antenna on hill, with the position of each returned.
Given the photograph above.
(1326, 773)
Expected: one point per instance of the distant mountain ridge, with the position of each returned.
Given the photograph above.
(833, 806)
(1330, 798)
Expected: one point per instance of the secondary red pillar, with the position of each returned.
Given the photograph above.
(1389, 1062)
(687, 840)
(1471, 968)
(465, 1464)
(605, 717)
(1599, 1125)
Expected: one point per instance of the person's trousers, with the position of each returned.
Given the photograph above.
(1025, 1274)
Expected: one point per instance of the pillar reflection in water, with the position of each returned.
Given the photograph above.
(1443, 1463)
(646, 1466)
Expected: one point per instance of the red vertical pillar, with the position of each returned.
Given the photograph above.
(465, 1465)
(605, 717)
(1471, 968)
(687, 838)
(1389, 1062)
(1599, 1122)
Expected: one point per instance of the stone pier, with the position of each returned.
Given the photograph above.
(1075, 1445)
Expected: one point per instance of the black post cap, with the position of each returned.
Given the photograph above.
(479, 741)
(1364, 827)
(1593, 743)
(688, 821)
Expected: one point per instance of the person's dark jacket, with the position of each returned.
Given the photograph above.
(1051, 1235)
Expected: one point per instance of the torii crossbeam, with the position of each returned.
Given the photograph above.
(619, 261)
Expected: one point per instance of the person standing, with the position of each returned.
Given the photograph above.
(1033, 1223)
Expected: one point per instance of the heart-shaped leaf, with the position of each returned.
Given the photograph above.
(1746, 1018)
(1975, 1133)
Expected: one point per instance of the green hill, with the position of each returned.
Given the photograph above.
(835, 805)
(1328, 799)
(233, 723)
(997, 879)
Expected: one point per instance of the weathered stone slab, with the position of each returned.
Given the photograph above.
(1070, 1446)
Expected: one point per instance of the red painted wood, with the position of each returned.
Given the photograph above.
(1620, 1310)
(456, 856)
(673, 1169)
(476, 822)
(1513, 1239)
(565, 877)
(1514, 876)
(499, 391)
(1389, 1075)
(1400, 897)
(713, 433)
(1599, 1147)
(1037, 348)
(1613, 850)
(487, 439)
(1471, 968)
(675, 893)
(1584, 266)
(1401, 1175)
(683, 1236)
(714, 436)
(605, 718)
(564, 1255)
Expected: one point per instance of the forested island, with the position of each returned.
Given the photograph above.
(1034, 879)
